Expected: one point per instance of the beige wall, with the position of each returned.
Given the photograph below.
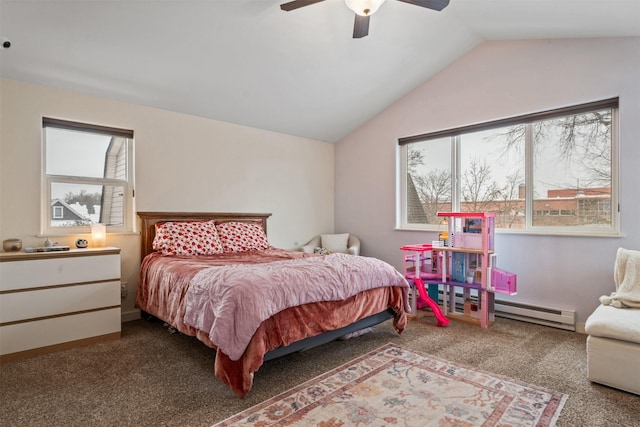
(496, 80)
(183, 163)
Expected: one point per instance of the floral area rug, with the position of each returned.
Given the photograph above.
(395, 386)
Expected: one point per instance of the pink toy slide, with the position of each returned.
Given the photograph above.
(440, 318)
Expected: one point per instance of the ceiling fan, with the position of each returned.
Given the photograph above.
(364, 9)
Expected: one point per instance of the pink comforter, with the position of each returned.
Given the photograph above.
(165, 280)
(230, 302)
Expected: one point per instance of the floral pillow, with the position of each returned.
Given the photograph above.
(187, 238)
(242, 236)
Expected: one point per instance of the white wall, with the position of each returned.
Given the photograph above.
(496, 80)
(183, 163)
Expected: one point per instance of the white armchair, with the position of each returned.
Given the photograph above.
(344, 243)
(613, 344)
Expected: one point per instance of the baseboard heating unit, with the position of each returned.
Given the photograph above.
(557, 318)
(554, 317)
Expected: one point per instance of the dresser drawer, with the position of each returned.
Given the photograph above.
(58, 271)
(34, 304)
(49, 332)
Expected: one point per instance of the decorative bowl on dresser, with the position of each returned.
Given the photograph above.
(12, 245)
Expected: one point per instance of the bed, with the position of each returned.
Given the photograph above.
(202, 295)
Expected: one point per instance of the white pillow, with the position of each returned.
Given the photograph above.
(335, 242)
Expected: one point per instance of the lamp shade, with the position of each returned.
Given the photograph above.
(98, 235)
(364, 7)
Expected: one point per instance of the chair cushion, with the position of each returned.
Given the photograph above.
(335, 242)
(616, 323)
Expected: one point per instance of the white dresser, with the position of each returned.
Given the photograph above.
(55, 300)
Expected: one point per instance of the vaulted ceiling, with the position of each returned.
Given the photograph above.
(250, 63)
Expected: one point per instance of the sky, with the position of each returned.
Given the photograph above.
(72, 153)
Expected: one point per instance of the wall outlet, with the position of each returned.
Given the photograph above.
(124, 289)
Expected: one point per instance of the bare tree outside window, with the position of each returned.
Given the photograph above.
(492, 172)
(510, 208)
(83, 198)
(479, 190)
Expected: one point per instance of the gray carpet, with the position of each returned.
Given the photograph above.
(153, 378)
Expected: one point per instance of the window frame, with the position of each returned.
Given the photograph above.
(47, 181)
(613, 230)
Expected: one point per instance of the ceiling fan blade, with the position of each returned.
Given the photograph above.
(361, 26)
(296, 4)
(429, 4)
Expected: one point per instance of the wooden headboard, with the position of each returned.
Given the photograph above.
(150, 219)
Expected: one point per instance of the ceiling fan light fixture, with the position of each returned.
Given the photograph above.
(364, 7)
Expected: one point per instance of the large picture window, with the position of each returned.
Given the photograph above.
(87, 177)
(548, 172)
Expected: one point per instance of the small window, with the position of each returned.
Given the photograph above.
(87, 176)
